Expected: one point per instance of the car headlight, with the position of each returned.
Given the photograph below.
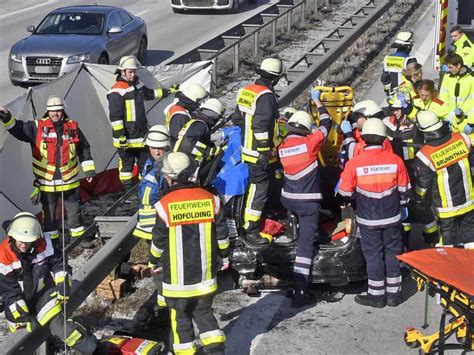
(86, 57)
(15, 57)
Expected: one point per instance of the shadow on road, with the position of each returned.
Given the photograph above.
(156, 56)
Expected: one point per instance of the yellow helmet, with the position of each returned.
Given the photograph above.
(25, 228)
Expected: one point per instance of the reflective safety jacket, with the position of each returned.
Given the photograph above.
(195, 139)
(176, 117)
(407, 87)
(379, 182)
(445, 166)
(437, 106)
(393, 65)
(57, 149)
(256, 114)
(25, 277)
(150, 191)
(299, 158)
(127, 110)
(403, 138)
(188, 235)
(465, 48)
(458, 91)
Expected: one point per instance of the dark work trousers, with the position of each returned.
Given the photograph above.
(457, 230)
(127, 159)
(308, 246)
(256, 197)
(182, 313)
(72, 206)
(380, 247)
(275, 183)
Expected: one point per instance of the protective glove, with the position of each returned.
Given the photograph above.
(346, 127)
(458, 112)
(173, 89)
(315, 94)
(404, 212)
(225, 264)
(467, 129)
(402, 99)
(5, 116)
(35, 196)
(263, 158)
(444, 68)
(123, 144)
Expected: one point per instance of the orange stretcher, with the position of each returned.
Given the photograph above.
(449, 273)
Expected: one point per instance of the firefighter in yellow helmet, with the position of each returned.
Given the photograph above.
(189, 235)
(59, 147)
(128, 117)
(257, 115)
(443, 165)
(29, 259)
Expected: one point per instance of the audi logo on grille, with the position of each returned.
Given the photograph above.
(43, 61)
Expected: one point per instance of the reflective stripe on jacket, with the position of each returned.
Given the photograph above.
(176, 117)
(437, 106)
(379, 182)
(446, 169)
(403, 137)
(189, 233)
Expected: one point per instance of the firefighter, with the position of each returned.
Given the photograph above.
(34, 286)
(189, 234)
(178, 114)
(406, 140)
(194, 138)
(352, 144)
(456, 90)
(444, 165)
(58, 147)
(301, 191)
(379, 182)
(394, 63)
(128, 117)
(462, 45)
(427, 99)
(257, 114)
(152, 184)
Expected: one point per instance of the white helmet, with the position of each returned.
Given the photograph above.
(194, 92)
(55, 103)
(177, 166)
(25, 228)
(300, 120)
(368, 108)
(288, 111)
(128, 62)
(272, 66)
(214, 105)
(375, 127)
(428, 121)
(158, 137)
(404, 38)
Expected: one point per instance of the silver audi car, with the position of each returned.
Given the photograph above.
(71, 35)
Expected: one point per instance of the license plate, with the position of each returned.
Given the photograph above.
(43, 70)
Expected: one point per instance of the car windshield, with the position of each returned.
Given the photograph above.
(72, 23)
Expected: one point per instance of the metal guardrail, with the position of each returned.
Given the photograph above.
(85, 281)
(300, 76)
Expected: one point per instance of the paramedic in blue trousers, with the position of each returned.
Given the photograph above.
(301, 191)
(379, 183)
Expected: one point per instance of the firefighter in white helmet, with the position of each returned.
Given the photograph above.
(55, 163)
(443, 166)
(28, 258)
(378, 182)
(128, 117)
(190, 97)
(257, 114)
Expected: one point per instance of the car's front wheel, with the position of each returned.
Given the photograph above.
(177, 11)
(103, 59)
(142, 51)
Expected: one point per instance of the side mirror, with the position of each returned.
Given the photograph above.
(31, 28)
(115, 29)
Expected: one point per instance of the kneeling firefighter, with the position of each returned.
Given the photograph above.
(301, 191)
(34, 286)
(190, 232)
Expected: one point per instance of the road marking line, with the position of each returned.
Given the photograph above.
(16, 12)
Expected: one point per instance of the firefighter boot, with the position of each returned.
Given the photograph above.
(366, 300)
